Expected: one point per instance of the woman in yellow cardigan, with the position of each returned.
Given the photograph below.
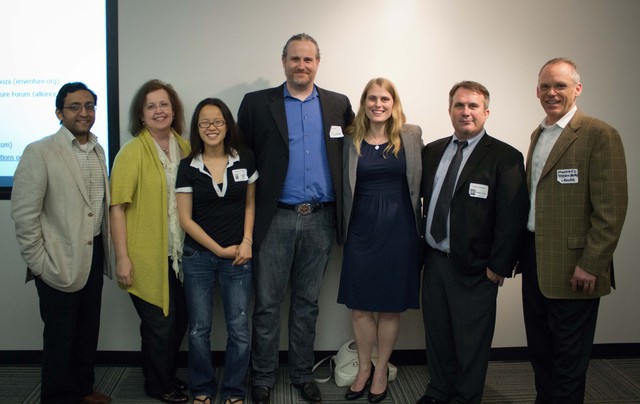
(146, 232)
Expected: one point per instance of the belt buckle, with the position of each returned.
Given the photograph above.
(304, 208)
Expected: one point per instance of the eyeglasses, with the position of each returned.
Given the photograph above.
(163, 106)
(205, 124)
(78, 107)
(559, 87)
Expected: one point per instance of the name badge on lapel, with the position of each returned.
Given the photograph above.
(335, 131)
(568, 176)
(478, 190)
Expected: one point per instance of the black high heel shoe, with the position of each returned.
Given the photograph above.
(376, 398)
(351, 395)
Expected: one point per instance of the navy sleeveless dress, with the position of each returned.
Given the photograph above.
(381, 262)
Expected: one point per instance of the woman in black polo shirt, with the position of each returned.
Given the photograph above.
(215, 192)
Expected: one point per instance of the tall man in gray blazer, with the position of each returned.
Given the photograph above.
(60, 206)
(577, 177)
(475, 207)
(296, 133)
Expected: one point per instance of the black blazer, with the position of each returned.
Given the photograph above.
(484, 232)
(263, 122)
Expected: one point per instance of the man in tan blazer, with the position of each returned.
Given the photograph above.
(60, 206)
(577, 179)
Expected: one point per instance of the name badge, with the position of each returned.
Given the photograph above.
(240, 174)
(568, 176)
(478, 190)
(335, 131)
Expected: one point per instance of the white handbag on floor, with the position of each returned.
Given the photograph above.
(346, 365)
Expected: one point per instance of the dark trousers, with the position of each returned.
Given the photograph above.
(459, 314)
(559, 336)
(161, 337)
(70, 337)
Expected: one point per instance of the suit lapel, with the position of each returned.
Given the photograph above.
(481, 149)
(431, 167)
(276, 106)
(567, 137)
(352, 160)
(409, 147)
(71, 161)
(328, 113)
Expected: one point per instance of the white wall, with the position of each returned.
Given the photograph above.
(225, 48)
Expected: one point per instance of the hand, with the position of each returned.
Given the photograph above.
(494, 277)
(583, 279)
(227, 252)
(243, 254)
(124, 270)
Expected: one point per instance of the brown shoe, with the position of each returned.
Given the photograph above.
(96, 398)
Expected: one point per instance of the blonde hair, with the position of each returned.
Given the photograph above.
(360, 125)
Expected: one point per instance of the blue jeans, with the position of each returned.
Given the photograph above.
(201, 268)
(295, 250)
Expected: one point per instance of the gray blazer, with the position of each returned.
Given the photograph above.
(53, 216)
(411, 136)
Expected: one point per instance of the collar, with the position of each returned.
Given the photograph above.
(314, 93)
(196, 161)
(470, 142)
(562, 122)
(92, 140)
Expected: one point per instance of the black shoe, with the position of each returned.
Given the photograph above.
(427, 399)
(351, 395)
(179, 384)
(260, 394)
(171, 397)
(376, 398)
(309, 392)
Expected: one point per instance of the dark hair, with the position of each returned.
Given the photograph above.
(137, 104)
(72, 88)
(300, 37)
(233, 137)
(471, 86)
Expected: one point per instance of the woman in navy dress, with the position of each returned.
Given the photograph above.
(381, 264)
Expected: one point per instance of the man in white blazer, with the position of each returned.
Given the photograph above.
(59, 204)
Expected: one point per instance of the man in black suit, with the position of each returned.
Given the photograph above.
(296, 133)
(475, 210)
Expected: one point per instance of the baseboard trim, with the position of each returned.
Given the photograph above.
(405, 357)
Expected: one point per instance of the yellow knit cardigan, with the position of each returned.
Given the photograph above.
(138, 179)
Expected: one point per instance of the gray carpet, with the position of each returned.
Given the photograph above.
(608, 381)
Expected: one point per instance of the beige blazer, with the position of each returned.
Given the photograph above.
(411, 136)
(579, 223)
(53, 216)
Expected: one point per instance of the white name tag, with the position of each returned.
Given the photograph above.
(568, 176)
(240, 174)
(478, 190)
(335, 131)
